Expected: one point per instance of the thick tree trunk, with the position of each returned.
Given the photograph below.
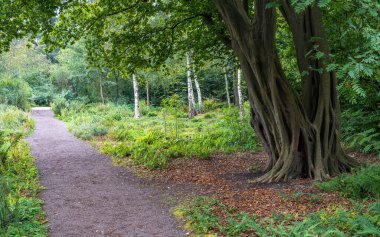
(136, 95)
(190, 92)
(297, 145)
(147, 94)
(199, 92)
(227, 87)
(239, 94)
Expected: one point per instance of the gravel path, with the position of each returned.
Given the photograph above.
(86, 195)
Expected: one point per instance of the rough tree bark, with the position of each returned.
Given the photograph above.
(190, 92)
(199, 92)
(136, 95)
(227, 87)
(239, 94)
(300, 137)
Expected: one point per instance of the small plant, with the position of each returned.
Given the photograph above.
(254, 168)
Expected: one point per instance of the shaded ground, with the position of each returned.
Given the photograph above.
(86, 196)
(229, 179)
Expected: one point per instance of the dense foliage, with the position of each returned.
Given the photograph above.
(20, 210)
(362, 183)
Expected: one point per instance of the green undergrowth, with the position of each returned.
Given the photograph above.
(361, 130)
(20, 210)
(364, 182)
(160, 135)
(205, 215)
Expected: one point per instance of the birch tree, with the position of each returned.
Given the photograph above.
(199, 92)
(101, 90)
(240, 94)
(227, 87)
(190, 92)
(136, 96)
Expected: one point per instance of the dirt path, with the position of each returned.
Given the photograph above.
(86, 196)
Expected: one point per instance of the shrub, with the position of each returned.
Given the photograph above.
(211, 104)
(362, 130)
(364, 182)
(16, 92)
(58, 105)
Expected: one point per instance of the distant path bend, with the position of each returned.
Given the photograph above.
(85, 195)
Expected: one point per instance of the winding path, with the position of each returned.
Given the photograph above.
(86, 195)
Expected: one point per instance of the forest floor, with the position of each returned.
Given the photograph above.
(230, 179)
(86, 196)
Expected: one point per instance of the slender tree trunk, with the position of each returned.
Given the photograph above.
(117, 86)
(147, 94)
(235, 85)
(136, 95)
(101, 90)
(239, 94)
(227, 87)
(199, 92)
(297, 145)
(192, 111)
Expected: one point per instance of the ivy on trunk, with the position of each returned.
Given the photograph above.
(301, 134)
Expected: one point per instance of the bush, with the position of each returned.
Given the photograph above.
(58, 105)
(16, 92)
(364, 182)
(362, 130)
(211, 104)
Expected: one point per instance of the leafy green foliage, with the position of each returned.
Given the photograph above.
(20, 211)
(15, 92)
(364, 182)
(19, 18)
(361, 129)
(205, 215)
(154, 141)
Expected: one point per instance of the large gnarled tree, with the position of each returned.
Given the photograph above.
(301, 134)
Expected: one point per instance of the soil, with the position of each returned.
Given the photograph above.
(86, 196)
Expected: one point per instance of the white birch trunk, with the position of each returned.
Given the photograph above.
(101, 90)
(227, 91)
(200, 104)
(192, 111)
(136, 94)
(240, 95)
